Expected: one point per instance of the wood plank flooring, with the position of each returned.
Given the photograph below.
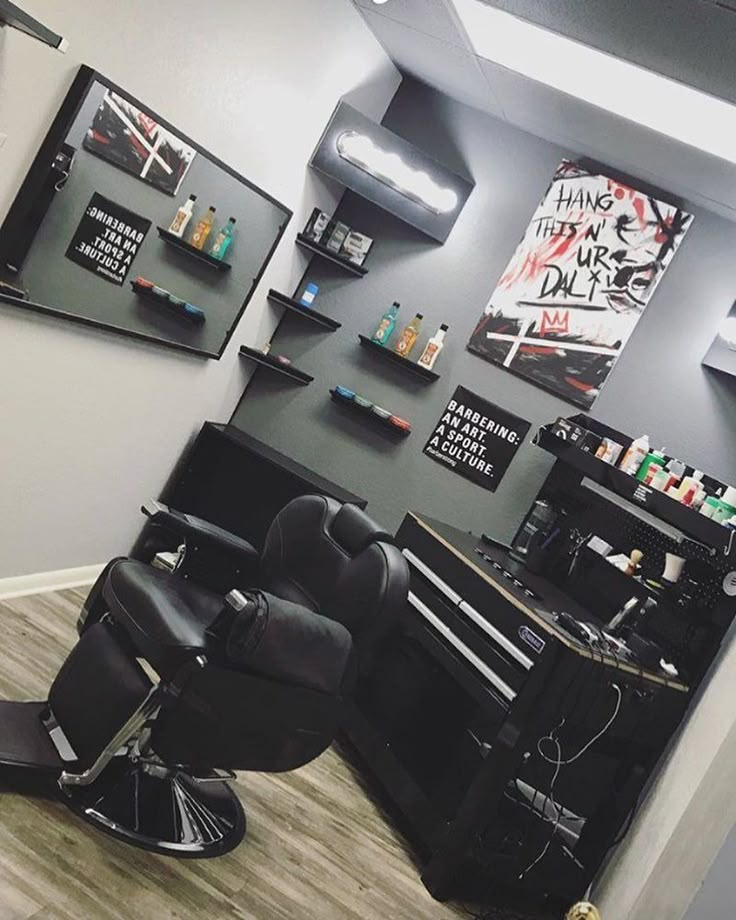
(317, 845)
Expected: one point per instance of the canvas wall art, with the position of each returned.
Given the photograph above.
(580, 278)
(126, 135)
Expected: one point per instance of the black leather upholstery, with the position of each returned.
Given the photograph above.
(204, 533)
(334, 559)
(260, 686)
(287, 642)
(268, 693)
(166, 617)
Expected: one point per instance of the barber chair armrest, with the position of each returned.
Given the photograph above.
(201, 534)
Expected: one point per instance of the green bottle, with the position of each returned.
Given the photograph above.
(386, 326)
(223, 240)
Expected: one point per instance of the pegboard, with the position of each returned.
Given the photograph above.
(690, 636)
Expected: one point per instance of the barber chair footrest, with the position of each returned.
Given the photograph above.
(168, 814)
(24, 741)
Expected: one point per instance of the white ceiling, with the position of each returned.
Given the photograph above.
(427, 41)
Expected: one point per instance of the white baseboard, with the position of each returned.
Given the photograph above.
(48, 581)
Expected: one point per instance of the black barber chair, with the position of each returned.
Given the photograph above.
(172, 686)
(328, 557)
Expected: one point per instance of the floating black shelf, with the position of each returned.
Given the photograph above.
(331, 256)
(368, 414)
(172, 311)
(16, 18)
(288, 370)
(307, 312)
(668, 510)
(205, 258)
(404, 363)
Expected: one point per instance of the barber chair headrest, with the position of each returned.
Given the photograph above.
(354, 530)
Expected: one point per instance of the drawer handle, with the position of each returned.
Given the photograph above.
(490, 630)
(470, 656)
(435, 579)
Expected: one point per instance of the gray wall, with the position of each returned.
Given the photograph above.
(92, 423)
(657, 386)
(715, 899)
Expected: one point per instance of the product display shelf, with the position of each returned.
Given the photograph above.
(668, 510)
(202, 257)
(330, 256)
(386, 354)
(370, 416)
(146, 294)
(287, 370)
(326, 322)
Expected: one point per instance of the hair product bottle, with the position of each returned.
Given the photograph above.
(386, 325)
(408, 337)
(183, 216)
(433, 348)
(223, 240)
(202, 229)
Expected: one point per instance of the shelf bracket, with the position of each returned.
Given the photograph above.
(13, 16)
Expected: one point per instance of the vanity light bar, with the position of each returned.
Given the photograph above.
(392, 171)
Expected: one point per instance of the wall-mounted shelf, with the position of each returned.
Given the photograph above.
(306, 312)
(330, 256)
(386, 354)
(192, 318)
(198, 255)
(287, 370)
(13, 16)
(370, 416)
(666, 509)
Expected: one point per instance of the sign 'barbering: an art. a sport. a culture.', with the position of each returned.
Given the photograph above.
(476, 439)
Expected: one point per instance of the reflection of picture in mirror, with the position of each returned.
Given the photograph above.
(128, 137)
(721, 355)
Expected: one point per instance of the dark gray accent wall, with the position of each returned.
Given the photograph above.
(658, 385)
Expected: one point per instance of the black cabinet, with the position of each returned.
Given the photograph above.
(451, 723)
(240, 483)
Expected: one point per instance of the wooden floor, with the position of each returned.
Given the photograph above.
(316, 847)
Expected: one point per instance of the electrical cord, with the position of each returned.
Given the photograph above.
(558, 764)
(550, 796)
(592, 741)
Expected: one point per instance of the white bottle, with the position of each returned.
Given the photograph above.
(634, 456)
(433, 348)
(183, 216)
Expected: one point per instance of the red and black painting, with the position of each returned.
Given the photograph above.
(578, 282)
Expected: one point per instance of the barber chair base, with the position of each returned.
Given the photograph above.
(173, 815)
